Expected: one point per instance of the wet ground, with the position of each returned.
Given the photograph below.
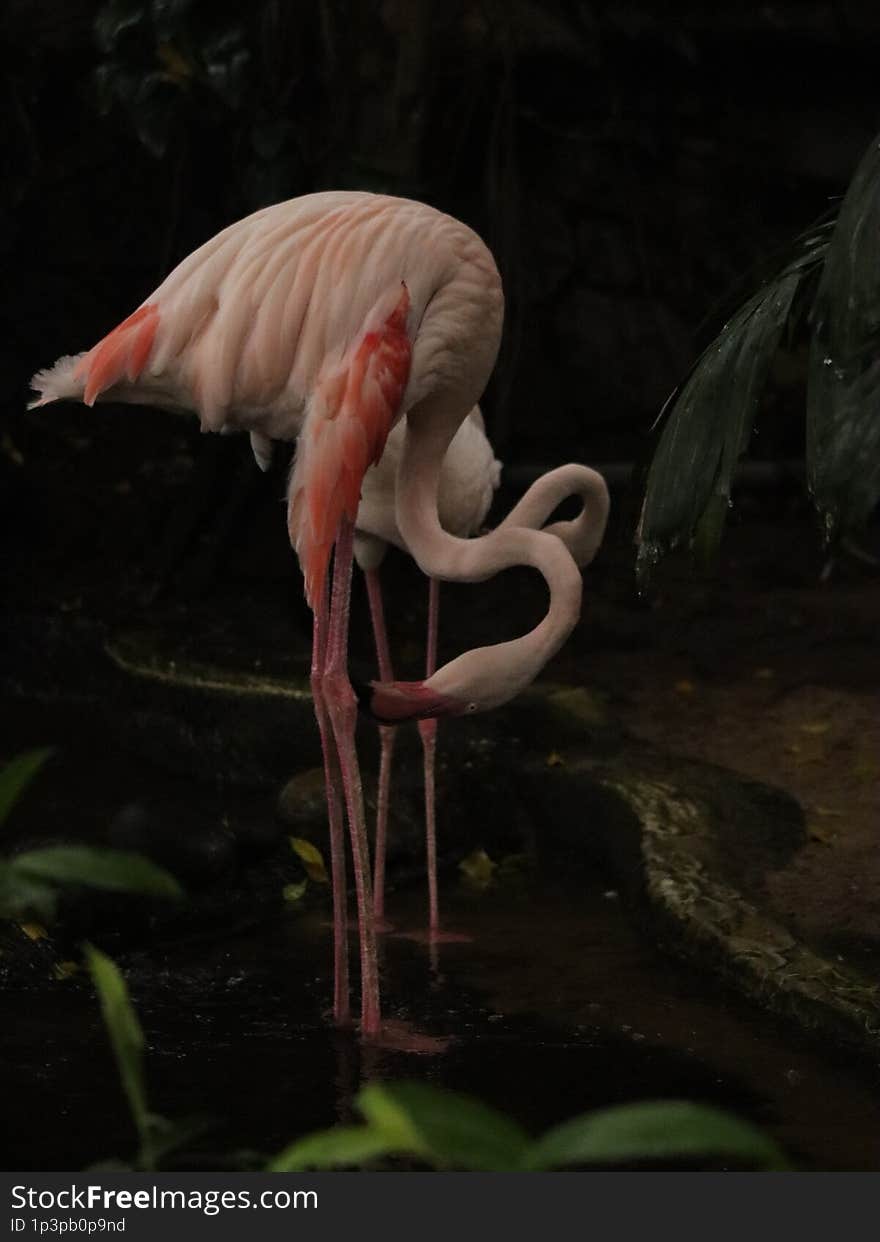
(772, 670)
(559, 1003)
(563, 1000)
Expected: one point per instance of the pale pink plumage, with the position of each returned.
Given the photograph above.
(329, 318)
(468, 480)
(299, 314)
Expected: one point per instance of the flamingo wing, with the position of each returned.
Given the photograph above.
(350, 411)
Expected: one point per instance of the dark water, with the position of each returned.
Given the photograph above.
(558, 1004)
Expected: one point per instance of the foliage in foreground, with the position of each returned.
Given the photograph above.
(29, 882)
(441, 1128)
(157, 1136)
(438, 1128)
(29, 885)
(834, 271)
(450, 1131)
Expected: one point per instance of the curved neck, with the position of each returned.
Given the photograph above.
(494, 674)
(583, 534)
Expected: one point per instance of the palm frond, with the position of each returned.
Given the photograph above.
(843, 391)
(708, 420)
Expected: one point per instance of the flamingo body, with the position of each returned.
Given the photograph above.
(469, 478)
(328, 319)
(243, 329)
(300, 318)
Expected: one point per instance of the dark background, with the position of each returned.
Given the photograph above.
(626, 162)
(632, 165)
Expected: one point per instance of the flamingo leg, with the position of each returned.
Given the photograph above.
(342, 711)
(387, 738)
(341, 1000)
(428, 734)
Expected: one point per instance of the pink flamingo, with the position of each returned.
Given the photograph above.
(327, 319)
(469, 478)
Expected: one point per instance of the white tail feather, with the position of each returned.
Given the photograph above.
(58, 383)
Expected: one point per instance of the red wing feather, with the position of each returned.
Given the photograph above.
(122, 354)
(350, 414)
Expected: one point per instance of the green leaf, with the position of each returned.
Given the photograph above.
(292, 893)
(442, 1127)
(843, 389)
(311, 858)
(17, 775)
(709, 418)
(661, 1130)
(711, 421)
(343, 1146)
(21, 896)
(117, 870)
(168, 1136)
(157, 1135)
(409, 1119)
(127, 1040)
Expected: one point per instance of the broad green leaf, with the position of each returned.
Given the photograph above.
(20, 895)
(342, 1146)
(442, 1127)
(378, 1105)
(127, 1040)
(661, 1130)
(17, 775)
(843, 392)
(98, 868)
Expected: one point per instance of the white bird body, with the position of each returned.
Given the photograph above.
(469, 478)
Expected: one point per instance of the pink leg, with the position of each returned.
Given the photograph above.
(342, 711)
(387, 738)
(428, 733)
(341, 1002)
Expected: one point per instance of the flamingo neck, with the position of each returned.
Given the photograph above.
(583, 534)
(486, 676)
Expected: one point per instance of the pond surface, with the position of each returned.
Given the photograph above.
(558, 1003)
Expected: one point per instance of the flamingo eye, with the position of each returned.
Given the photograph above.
(471, 707)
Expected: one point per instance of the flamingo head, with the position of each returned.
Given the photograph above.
(474, 682)
(394, 702)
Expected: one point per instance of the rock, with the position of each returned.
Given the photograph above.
(554, 717)
(302, 809)
(694, 843)
(302, 805)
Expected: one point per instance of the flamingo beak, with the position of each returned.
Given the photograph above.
(393, 702)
